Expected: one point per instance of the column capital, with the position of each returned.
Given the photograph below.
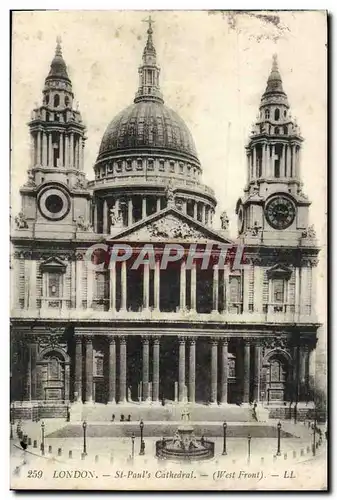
(192, 340)
(156, 340)
(122, 339)
(145, 339)
(214, 340)
(88, 339)
(224, 341)
(111, 339)
(182, 340)
(78, 339)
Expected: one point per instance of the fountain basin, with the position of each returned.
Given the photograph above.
(184, 446)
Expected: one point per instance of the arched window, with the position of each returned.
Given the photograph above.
(285, 113)
(285, 130)
(56, 100)
(267, 114)
(277, 131)
(47, 99)
(66, 100)
(277, 114)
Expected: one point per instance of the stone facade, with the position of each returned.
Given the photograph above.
(214, 335)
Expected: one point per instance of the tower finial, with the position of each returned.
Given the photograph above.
(275, 63)
(150, 21)
(58, 51)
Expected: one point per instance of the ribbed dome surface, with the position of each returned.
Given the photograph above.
(147, 124)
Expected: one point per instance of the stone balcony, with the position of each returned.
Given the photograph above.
(64, 313)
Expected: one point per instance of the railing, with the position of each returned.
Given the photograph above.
(234, 313)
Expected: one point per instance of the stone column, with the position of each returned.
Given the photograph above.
(89, 361)
(66, 152)
(50, 150)
(224, 372)
(61, 161)
(32, 150)
(78, 292)
(257, 360)
(28, 385)
(193, 287)
(33, 359)
(44, 149)
(105, 217)
(254, 161)
(246, 276)
(203, 213)
(215, 288)
(195, 210)
(272, 161)
(32, 285)
(226, 284)
(130, 212)
(293, 160)
(157, 285)
(144, 214)
(191, 372)
(146, 286)
(155, 376)
(112, 370)
(122, 370)
(258, 297)
(78, 369)
(113, 286)
(145, 377)
(182, 304)
(297, 290)
(124, 285)
(95, 215)
(38, 155)
(82, 155)
(71, 152)
(246, 371)
(288, 157)
(90, 286)
(181, 369)
(248, 165)
(214, 371)
(158, 204)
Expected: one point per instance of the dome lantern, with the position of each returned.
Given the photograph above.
(149, 89)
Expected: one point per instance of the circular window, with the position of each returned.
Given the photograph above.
(54, 203)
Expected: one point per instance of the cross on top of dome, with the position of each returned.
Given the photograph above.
(149, 20)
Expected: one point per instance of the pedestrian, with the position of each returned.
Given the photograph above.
(122, 418)
(129, 418)
(113, 417)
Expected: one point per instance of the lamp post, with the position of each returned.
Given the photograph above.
(141, 425)
(133, 445)
(224, 451)
(313, 426)
(278, 453)
(84, 425)
(249, 440)
(42, 432)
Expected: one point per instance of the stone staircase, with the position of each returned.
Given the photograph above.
(167, 413)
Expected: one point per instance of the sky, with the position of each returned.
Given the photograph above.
(214, 69)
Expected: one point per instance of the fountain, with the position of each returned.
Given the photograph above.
(184, 446)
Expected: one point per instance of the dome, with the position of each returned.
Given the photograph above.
(147, 125)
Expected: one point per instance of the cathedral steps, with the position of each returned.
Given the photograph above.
(168, 413)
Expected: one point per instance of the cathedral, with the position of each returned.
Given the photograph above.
(180, 334)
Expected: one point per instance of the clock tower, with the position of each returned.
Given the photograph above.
(274, 210)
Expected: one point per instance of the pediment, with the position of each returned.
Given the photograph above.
(279, 271)
(52, 265)
(169, 225)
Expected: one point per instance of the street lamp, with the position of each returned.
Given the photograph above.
(278, 453)
(42, 444)
(133, 445)
(313, 426)
(249, 440)
(224, 451)
(84, 425)
(142, 444)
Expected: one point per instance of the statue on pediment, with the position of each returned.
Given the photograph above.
(309, 232)
(21, 221)
(170, 196)
(224, 221)
(116, 218)
(82, 225)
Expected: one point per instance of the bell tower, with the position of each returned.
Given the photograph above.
(274, 209)
(56, 191)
